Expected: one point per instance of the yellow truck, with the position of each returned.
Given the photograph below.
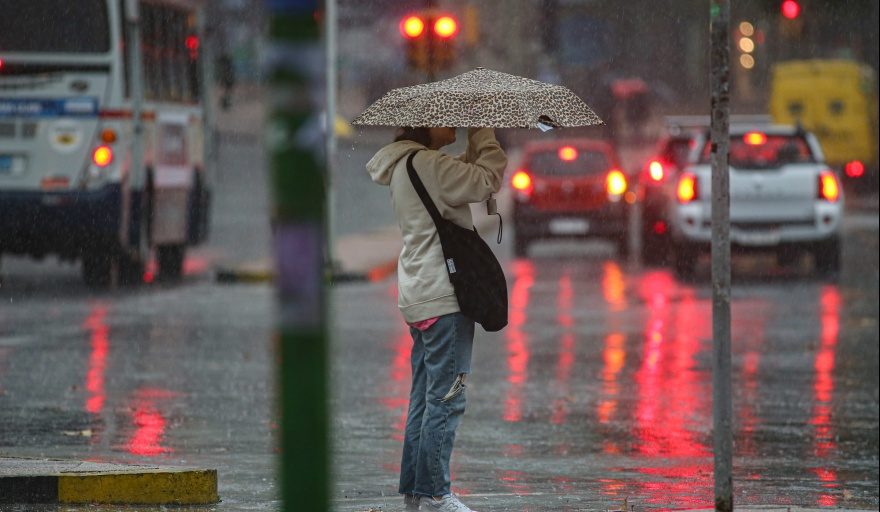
(835, 99)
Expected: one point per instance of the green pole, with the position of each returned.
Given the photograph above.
(298, 197)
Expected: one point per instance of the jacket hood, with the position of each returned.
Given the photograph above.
(381, 166)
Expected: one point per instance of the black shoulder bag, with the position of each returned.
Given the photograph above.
(474, 272)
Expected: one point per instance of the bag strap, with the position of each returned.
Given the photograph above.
(422, 191)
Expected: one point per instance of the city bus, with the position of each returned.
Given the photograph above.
(103, 148)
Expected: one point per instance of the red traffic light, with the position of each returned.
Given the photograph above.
(446, 26)
(791, 9)
(412, 26)
(192, 43)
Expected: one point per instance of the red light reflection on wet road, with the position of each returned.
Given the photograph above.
(613, 287)
(669, 423)
(397, 397)
(148, 423)
(515, 340)
(823, 391)
(566, 351)
(100, 347)
(672, 403)
(614, 357)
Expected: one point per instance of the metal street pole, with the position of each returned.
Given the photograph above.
(295, 62)
(721, 387)
(136, 79)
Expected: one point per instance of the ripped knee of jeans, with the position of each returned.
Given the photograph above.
(456, 389)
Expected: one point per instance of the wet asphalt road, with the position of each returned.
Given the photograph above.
(598, 390)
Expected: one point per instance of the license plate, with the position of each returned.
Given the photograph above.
(758, 238)
(569, 226)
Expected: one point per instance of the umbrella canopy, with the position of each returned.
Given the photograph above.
(480, 98)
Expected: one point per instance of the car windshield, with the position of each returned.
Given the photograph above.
(54, 26)
(756, 150)
(568, 161)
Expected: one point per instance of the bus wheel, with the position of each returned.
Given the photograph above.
(170, 259)
(97, 270)
(131, 270)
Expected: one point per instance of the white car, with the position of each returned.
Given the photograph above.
(783, 198)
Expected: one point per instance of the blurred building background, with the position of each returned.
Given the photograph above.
(598, 48)
(237, 28)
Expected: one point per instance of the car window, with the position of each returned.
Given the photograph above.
(577, 163)
(677, 151)
(757, 151)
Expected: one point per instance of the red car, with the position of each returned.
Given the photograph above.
(570, 188)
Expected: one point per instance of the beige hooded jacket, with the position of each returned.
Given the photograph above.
(424, 290)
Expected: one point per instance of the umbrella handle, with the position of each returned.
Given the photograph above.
(492, 209)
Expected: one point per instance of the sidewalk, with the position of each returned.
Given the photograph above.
(53, 481)
(368, 256)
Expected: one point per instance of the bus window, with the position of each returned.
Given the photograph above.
(169, 71)
(64, 26)
(151, 52)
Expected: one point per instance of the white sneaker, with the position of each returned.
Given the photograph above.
(449, 503)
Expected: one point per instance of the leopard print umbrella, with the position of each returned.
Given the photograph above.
(480, 98)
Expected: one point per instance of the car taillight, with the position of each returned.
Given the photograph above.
(854, 169)
(755, 139)
(828, 186)
(615, 183)
(687, 188)
(522, 181)
(567, 154)
(102, 156)
(656, 171)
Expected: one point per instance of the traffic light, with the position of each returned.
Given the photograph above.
(747, 39)
(790, 9)
(430, 40)
(791, 23)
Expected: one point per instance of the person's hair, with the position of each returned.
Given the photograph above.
(418, 134)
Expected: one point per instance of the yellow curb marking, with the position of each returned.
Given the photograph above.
(185, 487)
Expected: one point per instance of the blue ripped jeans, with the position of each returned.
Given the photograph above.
(441, 356)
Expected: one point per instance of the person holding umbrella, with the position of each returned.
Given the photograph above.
(480, 100)
(442, 335)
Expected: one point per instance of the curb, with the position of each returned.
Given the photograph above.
(51, 481)
(249, 274)
(244, 274)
